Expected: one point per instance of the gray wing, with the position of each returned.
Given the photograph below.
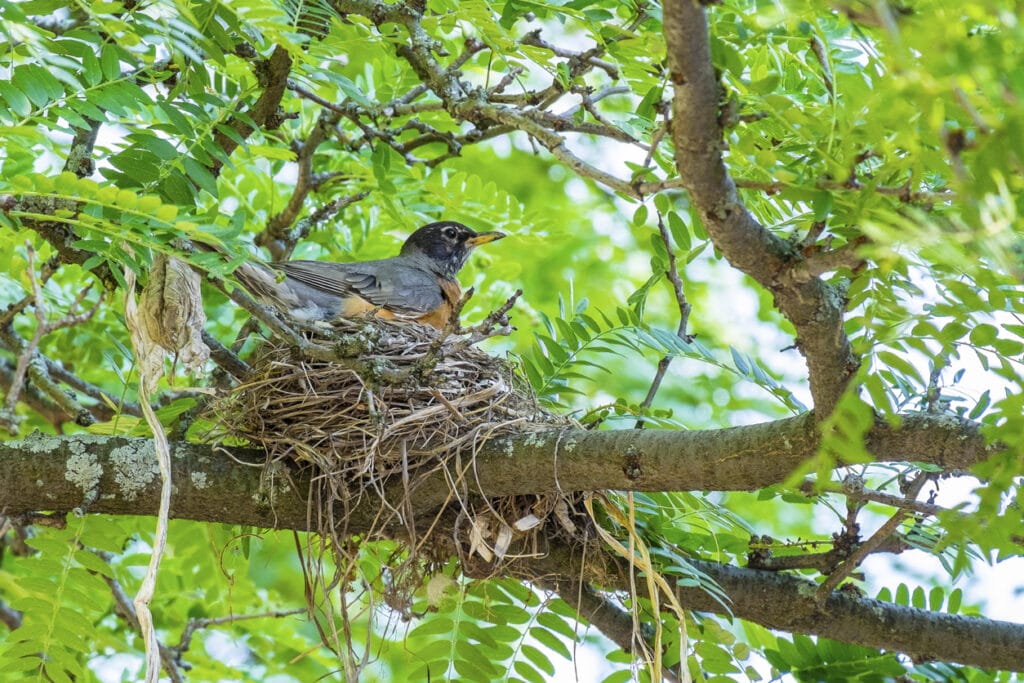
(388, 283)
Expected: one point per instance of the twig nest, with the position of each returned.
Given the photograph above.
(393, 401)
(398, 398)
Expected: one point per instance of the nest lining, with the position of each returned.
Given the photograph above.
(403, 400)
(414, 398)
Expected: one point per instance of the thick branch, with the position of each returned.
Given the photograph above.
(787, 603)
(117, 475)
(211, 484)
(273, 78)
(814, 307)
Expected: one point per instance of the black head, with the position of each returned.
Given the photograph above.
(447, 244)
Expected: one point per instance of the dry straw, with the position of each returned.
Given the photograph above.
(400, 402)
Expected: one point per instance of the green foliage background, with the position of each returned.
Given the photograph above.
(866, 138)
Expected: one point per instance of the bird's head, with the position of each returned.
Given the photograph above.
(447, 245)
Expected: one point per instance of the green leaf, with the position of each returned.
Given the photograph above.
(550, 641)
(539, 659)
(984, 334)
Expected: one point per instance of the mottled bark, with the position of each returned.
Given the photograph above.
(118, 475)
(813, 306)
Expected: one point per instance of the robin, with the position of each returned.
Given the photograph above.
(417, 285)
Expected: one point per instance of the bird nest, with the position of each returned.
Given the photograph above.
(394, 406)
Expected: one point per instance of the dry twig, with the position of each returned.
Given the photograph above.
(672, 273)
(44, 326)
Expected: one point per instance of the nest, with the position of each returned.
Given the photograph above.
(399, 402)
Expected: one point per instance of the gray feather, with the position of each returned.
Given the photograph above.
(400, 284)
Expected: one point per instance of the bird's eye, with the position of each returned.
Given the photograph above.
(450, 232)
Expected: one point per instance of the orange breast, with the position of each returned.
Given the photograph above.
(355, 306)
(439, 317)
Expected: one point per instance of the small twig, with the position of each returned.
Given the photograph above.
(821, 53)
(35, 399)
(672, 273)
(48, 269)
(45, 376)
(496, 324)
(587, 57)
(872, 544)
(225, 358)
(126, 610)
(820, 262)
(447, 404)
(44, 326)
(276, 236)
(193, 625)
(825, 562)
(902, 503)
(656, 138)
(814, 233)
(976, 117)
(933, 394)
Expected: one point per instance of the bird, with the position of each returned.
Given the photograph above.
(419, 284)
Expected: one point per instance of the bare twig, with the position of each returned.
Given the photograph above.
(861, 493)
(47, 271)
(495, 324)
(823, 562)
(588, 57)
(813, 234)
(44, 326)
(276, 236)
(821, 53)
(976, 117)
(872, 544)
(193, 625)
(933, 394)
(818, 263)
(225, 357)
(126, 610)
(35, 399)
(272, 74)
(42, 373)
(672, 273)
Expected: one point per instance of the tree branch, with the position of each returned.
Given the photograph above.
(785, 602)
(814, 307)
(672, 273)
(117, 475)
(277, 236)
(734, 459)
(272, 75)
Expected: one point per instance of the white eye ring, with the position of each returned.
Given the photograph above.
(450, 233)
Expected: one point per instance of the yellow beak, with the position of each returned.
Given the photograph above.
(484, 238)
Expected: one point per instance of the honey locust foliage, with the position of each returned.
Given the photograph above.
(878, 150)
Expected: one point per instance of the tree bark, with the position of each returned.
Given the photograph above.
(117, 475)
(814, 306)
